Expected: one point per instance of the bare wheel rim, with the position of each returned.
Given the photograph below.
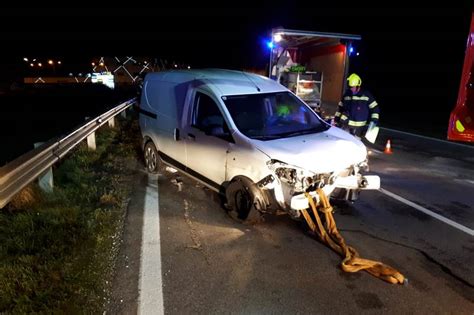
(242, 202)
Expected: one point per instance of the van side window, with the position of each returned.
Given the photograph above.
(208, 118)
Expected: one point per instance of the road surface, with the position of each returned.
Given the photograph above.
(183, 254)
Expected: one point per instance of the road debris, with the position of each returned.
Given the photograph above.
(178, 182)
(197, 245)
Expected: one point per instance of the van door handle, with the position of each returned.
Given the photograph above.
(191, 136)
(176, 134)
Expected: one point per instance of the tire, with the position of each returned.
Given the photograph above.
(244, 200)
(152, 160)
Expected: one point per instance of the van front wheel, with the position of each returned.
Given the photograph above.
(244, 200)
(151, 158)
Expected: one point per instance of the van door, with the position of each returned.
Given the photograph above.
(208, 139)
(161, 110)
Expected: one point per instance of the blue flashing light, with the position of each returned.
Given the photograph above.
(270, 44)
(351, 50)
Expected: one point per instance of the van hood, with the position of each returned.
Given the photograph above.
(324, 152)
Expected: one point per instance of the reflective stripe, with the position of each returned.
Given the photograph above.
(459, 127)
(375, 115)
(337, 114)
(360, 98)
(344, 117)
(340, 104)
(373, 104)
(347, 98)
(357, 123)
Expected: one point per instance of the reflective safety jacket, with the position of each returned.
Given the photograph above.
(357, 110)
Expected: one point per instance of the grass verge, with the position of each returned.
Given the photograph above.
(57, 250)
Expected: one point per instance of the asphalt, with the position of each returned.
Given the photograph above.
(213, 264)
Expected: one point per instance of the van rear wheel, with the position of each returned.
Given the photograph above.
(152, 160)
(244, 200)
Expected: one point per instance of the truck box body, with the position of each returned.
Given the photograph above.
(326, 54)
(461, 122)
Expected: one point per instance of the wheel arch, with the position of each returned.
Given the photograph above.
(145, 140)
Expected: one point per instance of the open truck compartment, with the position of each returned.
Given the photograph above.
(313, 65)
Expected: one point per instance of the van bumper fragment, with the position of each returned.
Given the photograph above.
(369, 182)
(300, 202)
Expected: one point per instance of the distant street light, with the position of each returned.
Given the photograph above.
(51, 63)
(93, 64)
(40, 64)
(59, 62)
(189, 67)
(25, 59)
(101, 64)
(32, 64)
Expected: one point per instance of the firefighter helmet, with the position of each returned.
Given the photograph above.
(354, 80)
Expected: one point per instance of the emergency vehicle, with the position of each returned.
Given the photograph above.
(313, 65)
(461, 122)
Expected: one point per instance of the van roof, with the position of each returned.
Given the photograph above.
(222, 82)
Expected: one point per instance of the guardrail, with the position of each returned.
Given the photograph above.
(17, 174)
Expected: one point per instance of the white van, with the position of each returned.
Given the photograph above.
(248, 137)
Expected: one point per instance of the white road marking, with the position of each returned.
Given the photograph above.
(428, 212)
(464, 181)
(151, 284)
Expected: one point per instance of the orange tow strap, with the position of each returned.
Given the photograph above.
(331, 236)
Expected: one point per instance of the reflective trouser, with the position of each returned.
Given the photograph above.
(357, 131)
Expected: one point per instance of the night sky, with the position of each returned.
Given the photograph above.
(410, 57)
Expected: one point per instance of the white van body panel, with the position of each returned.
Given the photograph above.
(205, 154)
(320, 152)
(244, 159)
(165, 99)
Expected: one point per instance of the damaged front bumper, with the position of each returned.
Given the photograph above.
(352, 182)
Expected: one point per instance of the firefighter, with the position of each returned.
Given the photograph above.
(358, 111)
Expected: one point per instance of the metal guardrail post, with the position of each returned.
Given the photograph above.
(112, 122)
(91, 141)
(45, 179)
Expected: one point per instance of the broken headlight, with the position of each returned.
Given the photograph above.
(298, 178)
(286, 173)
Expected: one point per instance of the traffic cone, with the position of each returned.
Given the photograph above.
(388, 148)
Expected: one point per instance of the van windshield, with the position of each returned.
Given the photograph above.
(272, 115)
